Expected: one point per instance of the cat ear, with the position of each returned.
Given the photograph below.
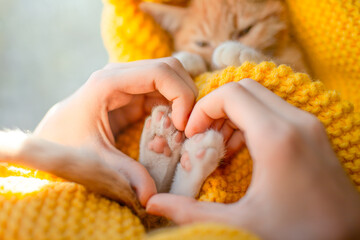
(169, 17)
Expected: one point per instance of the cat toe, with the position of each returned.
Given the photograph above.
(200, 154)
(185, 162)
(163, 138)
(193, 63)
(148, 123)
(226, 54)
(232, 53)
(167, 122)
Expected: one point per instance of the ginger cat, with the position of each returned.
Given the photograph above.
(209, 35)
(214, 34)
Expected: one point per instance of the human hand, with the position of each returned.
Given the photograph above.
(298, 190)
(109, 101)
(68, 163)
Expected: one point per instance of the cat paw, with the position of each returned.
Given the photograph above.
(232, 53)
(203, 152)
(194, 64)
(201, 155)
(160, 147)
(163, 137)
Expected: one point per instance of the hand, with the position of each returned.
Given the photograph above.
(298, 190)
(109, 101)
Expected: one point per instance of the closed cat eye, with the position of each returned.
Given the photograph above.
(202, 43)
(242, 32)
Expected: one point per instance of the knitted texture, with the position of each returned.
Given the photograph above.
(329, 31)
(206, 231)
(35, 205)
(130, 34)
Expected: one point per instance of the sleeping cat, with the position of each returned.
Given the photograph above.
(213, 34)
(210, 35)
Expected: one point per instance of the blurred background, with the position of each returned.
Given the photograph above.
(47, 50)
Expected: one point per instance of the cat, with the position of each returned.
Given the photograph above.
(210, 35)
(214, 34)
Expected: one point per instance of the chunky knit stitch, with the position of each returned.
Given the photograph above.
(130, 35)
(329, 31)
(35, 205)
(206, 231)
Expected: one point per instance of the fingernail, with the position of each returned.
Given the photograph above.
(150, 208)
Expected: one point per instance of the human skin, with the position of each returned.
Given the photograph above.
(294, 157)
(298, 190)
(75, 140)
(86, 123)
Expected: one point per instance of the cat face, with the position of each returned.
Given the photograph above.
(205, 24)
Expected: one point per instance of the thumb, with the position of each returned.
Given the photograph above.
(184, 210)
(137, 175)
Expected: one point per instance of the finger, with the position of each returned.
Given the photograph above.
(139, 106)
(304, 120)
(235, 143)
(145, 79)
(142, 182)
(178, 67)
(171, 61)
(73, 164)
(227, 130)
(139, 178)
(120, 118)
(271, 100)
(217, 124)
(151, 101)
(233, 101)
(184, 210)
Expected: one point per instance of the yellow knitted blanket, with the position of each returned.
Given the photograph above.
(35, 205)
